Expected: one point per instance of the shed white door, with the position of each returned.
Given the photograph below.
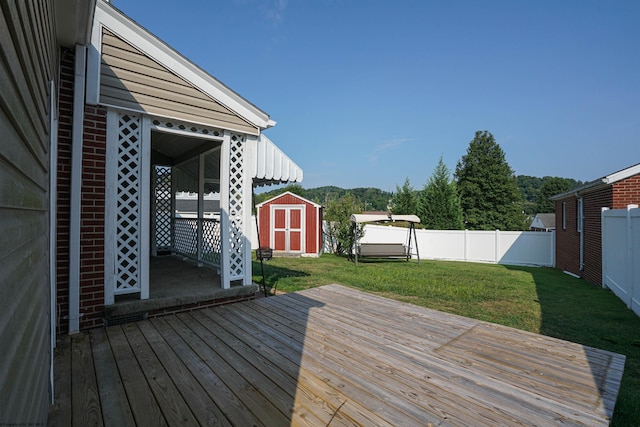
(288, 228)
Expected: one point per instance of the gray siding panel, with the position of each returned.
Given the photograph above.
(131, 80)
(27, 64)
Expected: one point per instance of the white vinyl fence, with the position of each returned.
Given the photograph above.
(502, 247)
(621, 254)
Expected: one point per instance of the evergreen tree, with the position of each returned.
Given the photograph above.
(550, 187)
(439, 203)
(404, 200)
(489, 195)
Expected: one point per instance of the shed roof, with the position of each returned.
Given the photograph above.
(289, 193)
(600, 182)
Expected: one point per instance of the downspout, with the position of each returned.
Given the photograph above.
(53, 220)
(581, 228)
(76, 187)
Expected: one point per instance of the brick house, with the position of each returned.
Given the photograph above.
(578, 220)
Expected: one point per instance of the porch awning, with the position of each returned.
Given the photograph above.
(273, 166)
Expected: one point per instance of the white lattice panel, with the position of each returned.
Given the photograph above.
(128, 204)
(186, 237)
(211, 245)
(163, 194)
(236, 207)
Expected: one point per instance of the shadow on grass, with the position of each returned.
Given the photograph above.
(273, 274)
(575, 310)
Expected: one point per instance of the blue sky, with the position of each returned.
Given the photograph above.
(368, 93)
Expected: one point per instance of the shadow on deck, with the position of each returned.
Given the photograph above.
(328, 356)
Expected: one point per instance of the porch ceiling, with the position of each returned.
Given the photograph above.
(179, 148)
(172, 150)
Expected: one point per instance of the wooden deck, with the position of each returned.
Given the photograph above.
(328, 356)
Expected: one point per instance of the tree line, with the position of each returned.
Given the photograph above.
(482, 193)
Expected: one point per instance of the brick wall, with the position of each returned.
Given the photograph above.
(567, 239)
(616, 196)
(92, 217)
(626, 192)
(593, 204)
(63, 190)
(92, 204)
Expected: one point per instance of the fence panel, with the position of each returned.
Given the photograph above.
(537, 248)
(481, 246)
(504, 247)
(621, 254)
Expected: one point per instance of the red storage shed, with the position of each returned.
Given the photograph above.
(290, 225)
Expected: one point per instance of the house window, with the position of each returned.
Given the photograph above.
(580, 208)
(564, 215)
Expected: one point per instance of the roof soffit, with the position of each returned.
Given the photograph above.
(74, 19)
(143, 40)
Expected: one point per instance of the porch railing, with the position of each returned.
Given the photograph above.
(186, 240)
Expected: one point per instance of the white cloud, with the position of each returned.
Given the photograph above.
(386, 146)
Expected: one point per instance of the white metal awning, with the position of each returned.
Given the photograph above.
(273, 166)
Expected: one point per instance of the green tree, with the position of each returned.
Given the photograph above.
(489, 195)
(530, 190)
(550, 187)
(404, 200)
(439, 203)
(340, 230)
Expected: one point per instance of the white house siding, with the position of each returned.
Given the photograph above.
(131, 80)
(27, 64)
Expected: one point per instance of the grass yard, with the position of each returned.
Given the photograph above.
(541, 300)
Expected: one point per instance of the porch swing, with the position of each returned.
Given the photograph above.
(386, 250)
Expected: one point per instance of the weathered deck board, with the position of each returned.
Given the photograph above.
(113, 399)
(60, 412)
(330, 356)
(85, 402)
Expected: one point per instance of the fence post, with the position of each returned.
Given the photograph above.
(466, 244)
(553, 248)
(630, 266)
(496, 255)
(603, 226)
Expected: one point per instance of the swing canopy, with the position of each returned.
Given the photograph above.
(383, 217)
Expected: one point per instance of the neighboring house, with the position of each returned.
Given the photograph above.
(102, 123)
(578, 220)
(543, 222)
(290, 225)
(187, 204)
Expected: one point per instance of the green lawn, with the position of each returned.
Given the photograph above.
(541, 300)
